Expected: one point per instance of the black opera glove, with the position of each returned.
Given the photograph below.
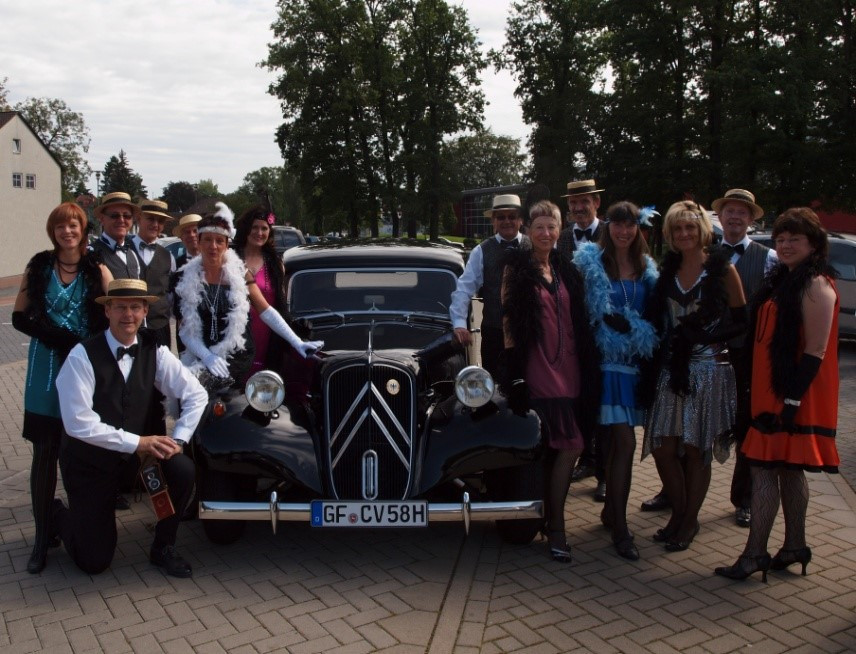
(807, 370)
(617, 322)
(56, 338)
(518, 397)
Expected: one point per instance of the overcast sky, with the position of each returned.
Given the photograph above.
(175, 83)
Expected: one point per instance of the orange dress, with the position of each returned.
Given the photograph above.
(812, 447)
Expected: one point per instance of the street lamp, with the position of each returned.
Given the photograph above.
(97, 183)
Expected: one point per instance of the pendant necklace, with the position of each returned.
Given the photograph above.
(213, 332)
(628, 303)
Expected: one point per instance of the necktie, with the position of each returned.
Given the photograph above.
(582, 234)
(130, 351)
(739, 248)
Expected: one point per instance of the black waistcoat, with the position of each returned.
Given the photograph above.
(114, 264)
(157, 274)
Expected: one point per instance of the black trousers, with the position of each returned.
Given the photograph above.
(492, 345)
(91, 476)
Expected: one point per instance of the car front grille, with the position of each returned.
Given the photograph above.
(369, 424)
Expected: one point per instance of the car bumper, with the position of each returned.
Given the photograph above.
(465, 511)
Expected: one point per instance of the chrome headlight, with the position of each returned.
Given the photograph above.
(474, 386)
(265, 391)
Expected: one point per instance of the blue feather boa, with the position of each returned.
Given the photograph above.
(641, 340)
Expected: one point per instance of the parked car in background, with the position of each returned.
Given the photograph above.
(842, 257)
(173, 245)
(387, 427)
(285, 238)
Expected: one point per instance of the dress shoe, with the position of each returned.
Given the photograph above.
(600, 492)
(784, 558)
(745, 567)
(38, 559)
(582, 471)
(122, 503)
(657, 503)
(559, 548)
(167, 558)
(626, 548)
(675, 545)
(743, 516)
(662, 535)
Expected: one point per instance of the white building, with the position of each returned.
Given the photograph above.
(30, 188)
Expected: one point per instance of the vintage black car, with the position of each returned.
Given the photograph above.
(388, 426)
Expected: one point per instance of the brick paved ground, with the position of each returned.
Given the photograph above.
(305, 590)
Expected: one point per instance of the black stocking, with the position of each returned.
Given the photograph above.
(794, 505)
(43, 477)
(558, 483)
(697, 479)
(619, 471)
(672, 475)
(765, 506)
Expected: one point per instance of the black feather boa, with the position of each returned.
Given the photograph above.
(38, 270)
(523, 312)
(786, 288)
(713, 303)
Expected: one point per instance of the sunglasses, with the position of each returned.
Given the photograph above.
(117, 216)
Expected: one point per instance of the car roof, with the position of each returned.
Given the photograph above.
(371, 253)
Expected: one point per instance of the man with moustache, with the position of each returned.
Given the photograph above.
(483, 274)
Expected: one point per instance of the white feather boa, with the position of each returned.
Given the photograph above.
(614, 347)
(191, 290)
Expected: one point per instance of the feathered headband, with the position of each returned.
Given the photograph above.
(645, 215)
(225, 213)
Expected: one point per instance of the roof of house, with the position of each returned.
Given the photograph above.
(7, 116)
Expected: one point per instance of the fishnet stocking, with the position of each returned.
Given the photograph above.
(794, 488)
(765, 506)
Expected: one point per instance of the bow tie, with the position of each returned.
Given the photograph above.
(148, 246)
(130, 351)
(739, 248)
(508, 244)
(121, 248)
(583, 234)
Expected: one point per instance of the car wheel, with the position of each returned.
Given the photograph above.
(524, 482)
(223, 487)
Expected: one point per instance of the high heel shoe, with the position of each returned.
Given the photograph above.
(745, 567)
(625, 547)
(559, 548)
(784, 558)
(38, 559)
(674, 545)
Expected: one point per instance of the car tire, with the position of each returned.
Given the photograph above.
(524, 482)
(223, 487)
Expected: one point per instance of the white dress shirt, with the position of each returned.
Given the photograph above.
(121, 253)
(591, 229)
(76, 385)
(468, 283)
(147, 253)
(772, 257)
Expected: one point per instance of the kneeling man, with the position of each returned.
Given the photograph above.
(105, 388)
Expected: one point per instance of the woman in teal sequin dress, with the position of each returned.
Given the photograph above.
(56, 308)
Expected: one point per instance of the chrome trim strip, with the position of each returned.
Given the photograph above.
(437, 512)
(349, 413)
(351, 436)
(391, 415)
(370, 475)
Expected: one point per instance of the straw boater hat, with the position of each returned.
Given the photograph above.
(114, 199)
(156, 208)
(503, 202)
(189, 220)
(739, 195)
(582, 187)
(127, 289)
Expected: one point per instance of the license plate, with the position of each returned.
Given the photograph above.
(369, 514)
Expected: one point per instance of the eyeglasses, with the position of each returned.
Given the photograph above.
(117, 216)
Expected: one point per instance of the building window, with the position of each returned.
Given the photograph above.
(31, 181)
(17, 180)
(16, 146)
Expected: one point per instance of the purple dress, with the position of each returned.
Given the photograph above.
(553, 370)
(260, 331)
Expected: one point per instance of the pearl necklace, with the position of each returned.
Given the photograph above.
(213, 332)
(628, 303)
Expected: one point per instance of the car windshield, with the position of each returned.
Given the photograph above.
(348, 291)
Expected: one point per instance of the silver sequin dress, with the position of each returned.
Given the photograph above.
(705, 417)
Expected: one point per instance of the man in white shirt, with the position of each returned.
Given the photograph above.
(483, 274)
(583, 199)
(105, 386)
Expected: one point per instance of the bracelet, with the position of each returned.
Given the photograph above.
(792, 402)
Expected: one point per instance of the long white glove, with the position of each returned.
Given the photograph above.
(216, 365)
(273, 319)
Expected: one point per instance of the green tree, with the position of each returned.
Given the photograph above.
(276, 188)
(206, 188)
(118, 176)
(482, 160)
(4, 101)
(65, 134)
(180, 196)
